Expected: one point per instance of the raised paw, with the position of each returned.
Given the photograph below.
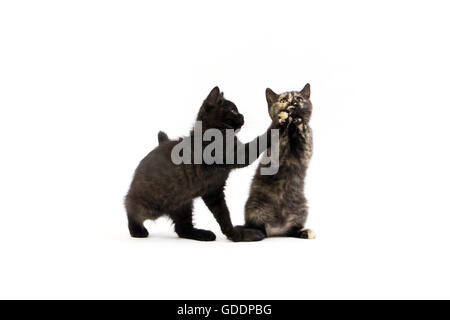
(198, 234)
(299, 124)
(282, 117)
(307, 234)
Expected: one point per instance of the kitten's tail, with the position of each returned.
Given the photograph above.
(162, 137)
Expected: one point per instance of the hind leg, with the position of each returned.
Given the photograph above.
(136, 228)
(137, 214)
(259, 216)
(301, 233)
(306, 234)
(297, 220)
(185, 228)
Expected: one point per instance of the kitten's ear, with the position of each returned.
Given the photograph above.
(213, 96)
(306, 91)
(271, 96)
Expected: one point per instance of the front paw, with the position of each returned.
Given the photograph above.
(299, 124)
(197, 234)
(283, 117)
(246, 234)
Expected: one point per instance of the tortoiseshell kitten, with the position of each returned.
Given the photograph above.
(277, 204)
(160, 187)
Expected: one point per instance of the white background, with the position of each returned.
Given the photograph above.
(86, 85)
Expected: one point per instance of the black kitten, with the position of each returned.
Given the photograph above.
(160, 187)
(277, 204)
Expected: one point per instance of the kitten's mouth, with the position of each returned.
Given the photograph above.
(295, 112)
(234, 123)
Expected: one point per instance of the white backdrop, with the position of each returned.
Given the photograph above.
(86, 85)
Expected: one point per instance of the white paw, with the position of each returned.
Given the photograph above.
(282, 116)
(311, 234)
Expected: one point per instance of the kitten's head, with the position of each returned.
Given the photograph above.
(298, 101)
(218, 112)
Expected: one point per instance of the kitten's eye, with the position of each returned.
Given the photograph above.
(299, 99)
(283, 100)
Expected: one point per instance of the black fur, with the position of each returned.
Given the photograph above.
(160, 187)
(162, 137)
